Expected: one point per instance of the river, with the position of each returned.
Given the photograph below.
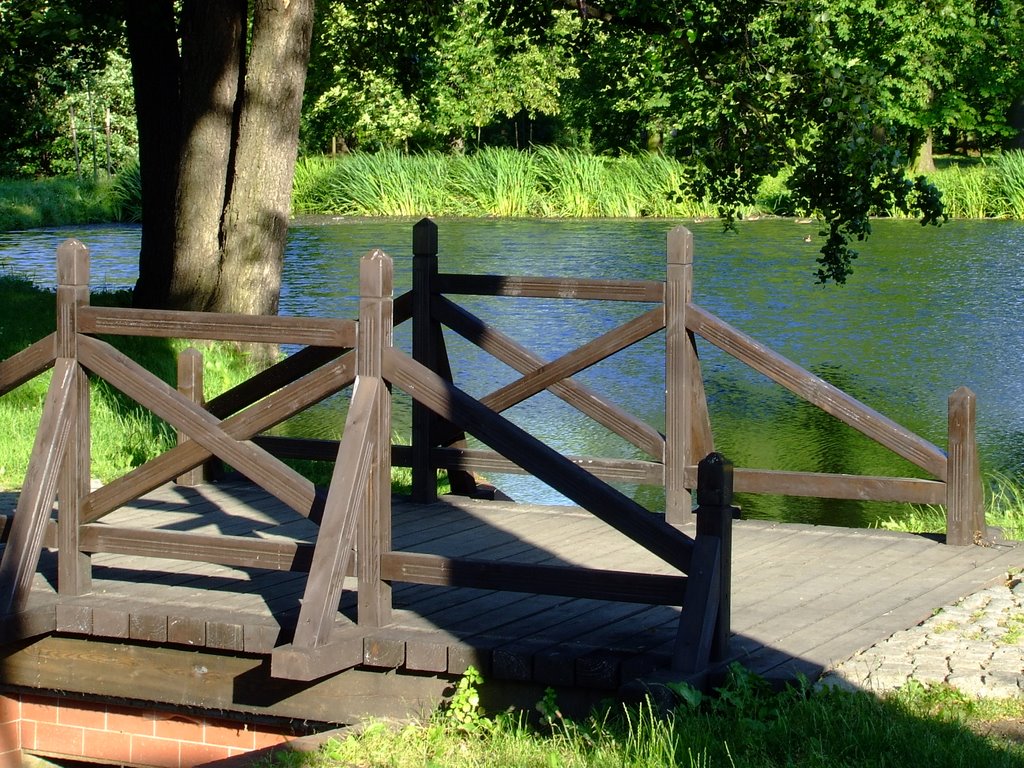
(926, 310)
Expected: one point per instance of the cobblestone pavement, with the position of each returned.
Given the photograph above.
(975, 645)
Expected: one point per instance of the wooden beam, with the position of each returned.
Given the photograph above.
(965, 505)
(552, 287)
(647, 529)
(337, 533)
(28, 363)
(824, 485)
(235, 551)
(488, 462)
(585, 400)
(679, 377)
(597, 584)
(373, 532)
(151, 392)
(272, 410)
(818, 392)
(39, 491)
(260, 329)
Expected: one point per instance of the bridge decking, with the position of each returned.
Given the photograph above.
(803, 597)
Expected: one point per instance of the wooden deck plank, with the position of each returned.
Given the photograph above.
(803, 596)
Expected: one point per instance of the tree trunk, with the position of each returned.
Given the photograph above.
(152, 44)
(212, 45)
(256, 216)
(924, 162)
(218, 139)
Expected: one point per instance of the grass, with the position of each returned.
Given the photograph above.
(744, 724)
(546, 182)
(1004, 509)
(54, 202)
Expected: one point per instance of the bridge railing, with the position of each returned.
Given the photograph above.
(354, 511)
(669, 459)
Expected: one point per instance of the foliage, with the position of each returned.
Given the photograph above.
(745, 722)
(462, 712)
(1004, 509)
(47, 52)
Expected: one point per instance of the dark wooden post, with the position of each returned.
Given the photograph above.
(376, 320)
(678, 376)
(424, 351)
(190, 384)
(74, 572)
(965, 503)
(705, 623)
(428, 349)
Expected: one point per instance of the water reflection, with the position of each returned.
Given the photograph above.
(927, 310)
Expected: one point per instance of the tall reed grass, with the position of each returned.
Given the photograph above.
(547, 182)
(565, 183)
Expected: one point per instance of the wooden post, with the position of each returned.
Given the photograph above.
(678, 376)
(965, 504)
(190, 384)
(705, 623)
(74, 572)
(424, 351)
(429, 350)
(376, 320)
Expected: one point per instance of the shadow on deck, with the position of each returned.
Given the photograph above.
(194, 634)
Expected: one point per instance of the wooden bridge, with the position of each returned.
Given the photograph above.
(293, 600)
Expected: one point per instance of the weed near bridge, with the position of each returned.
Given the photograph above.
(744, 724)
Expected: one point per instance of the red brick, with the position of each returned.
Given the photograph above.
(38, 709)
(180, 727)
(134, 721)
(12, 759)
(10, 736)
(10, 709)
(28, 734)
(197, 754)
(229, 735)
(264, 739)
(84, 715)
(59, 739)
(108, 746)
(164, 753)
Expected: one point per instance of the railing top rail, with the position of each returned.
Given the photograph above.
(817, 391)
(652, 291)
(264, 329)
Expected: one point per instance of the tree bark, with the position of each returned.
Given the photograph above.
(218, 135)
(924, 161)
(256, 216)
(212, 46)
(152, 44)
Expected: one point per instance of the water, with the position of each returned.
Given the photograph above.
(926, 311)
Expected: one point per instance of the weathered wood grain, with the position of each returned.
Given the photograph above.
(28, 363)
(260, 329)
(21, 554)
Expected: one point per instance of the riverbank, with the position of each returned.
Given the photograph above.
(504, 183)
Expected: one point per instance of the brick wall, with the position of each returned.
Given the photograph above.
(58, 727)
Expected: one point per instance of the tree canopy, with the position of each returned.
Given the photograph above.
(842, 96)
